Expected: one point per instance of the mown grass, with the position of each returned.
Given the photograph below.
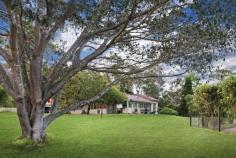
(119, 136)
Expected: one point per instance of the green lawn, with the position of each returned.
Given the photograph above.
(75, 136)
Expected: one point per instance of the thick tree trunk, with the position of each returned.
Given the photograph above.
(24, 120)
(31, 120)
(38, 132)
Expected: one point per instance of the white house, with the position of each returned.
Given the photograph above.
(136, 103)
(140, 104)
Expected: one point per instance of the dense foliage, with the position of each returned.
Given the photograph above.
(113, 96)
(5, 99)
(85, 85)
(186, 90)
(207, 99)
(228, 91)
(168, 111)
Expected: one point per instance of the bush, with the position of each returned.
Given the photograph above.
(168, 111)
(5, 99)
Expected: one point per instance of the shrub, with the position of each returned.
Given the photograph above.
(5, 99)
(168, 111)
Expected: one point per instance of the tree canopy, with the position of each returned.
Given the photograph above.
(187, 89)
(207, 98)
(85, 85)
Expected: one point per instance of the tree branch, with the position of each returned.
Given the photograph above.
(158, 76)
(134, 71)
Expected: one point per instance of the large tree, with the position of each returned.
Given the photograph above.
(187, 89)
(85, 85)
(117, 36)
(82, 86)
(208, 98)
(228, 93)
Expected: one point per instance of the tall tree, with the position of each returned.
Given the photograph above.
(117, 36)
(228, 93)
(82, 86)
(208, 98)
(85, 85)
(113, 97)
(151, 88)
(187, 89)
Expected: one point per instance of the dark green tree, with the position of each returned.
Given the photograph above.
(113, 97)
(187, 89)
(85, 85)
(228, 92)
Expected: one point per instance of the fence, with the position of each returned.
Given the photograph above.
(3, 109)
(214, 123)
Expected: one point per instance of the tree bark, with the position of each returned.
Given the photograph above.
(38, 133)
(23, 120)
(31, 120)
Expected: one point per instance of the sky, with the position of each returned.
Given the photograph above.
(229, 63)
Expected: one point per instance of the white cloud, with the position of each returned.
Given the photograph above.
(229, 63)
(66, 38)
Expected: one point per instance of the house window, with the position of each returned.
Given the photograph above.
(130, 104)
(141, 105)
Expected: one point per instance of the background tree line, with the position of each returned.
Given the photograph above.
(207, 99)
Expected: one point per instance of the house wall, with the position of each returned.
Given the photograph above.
(132, 106)
(92, 111)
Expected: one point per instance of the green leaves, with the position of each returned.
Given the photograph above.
(5, 99)
(187, 90)
(113, 96)
(86, 85)
(228, 90)
(207, 97)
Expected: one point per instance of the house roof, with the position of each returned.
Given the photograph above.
(149, 98)
(141, 98)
